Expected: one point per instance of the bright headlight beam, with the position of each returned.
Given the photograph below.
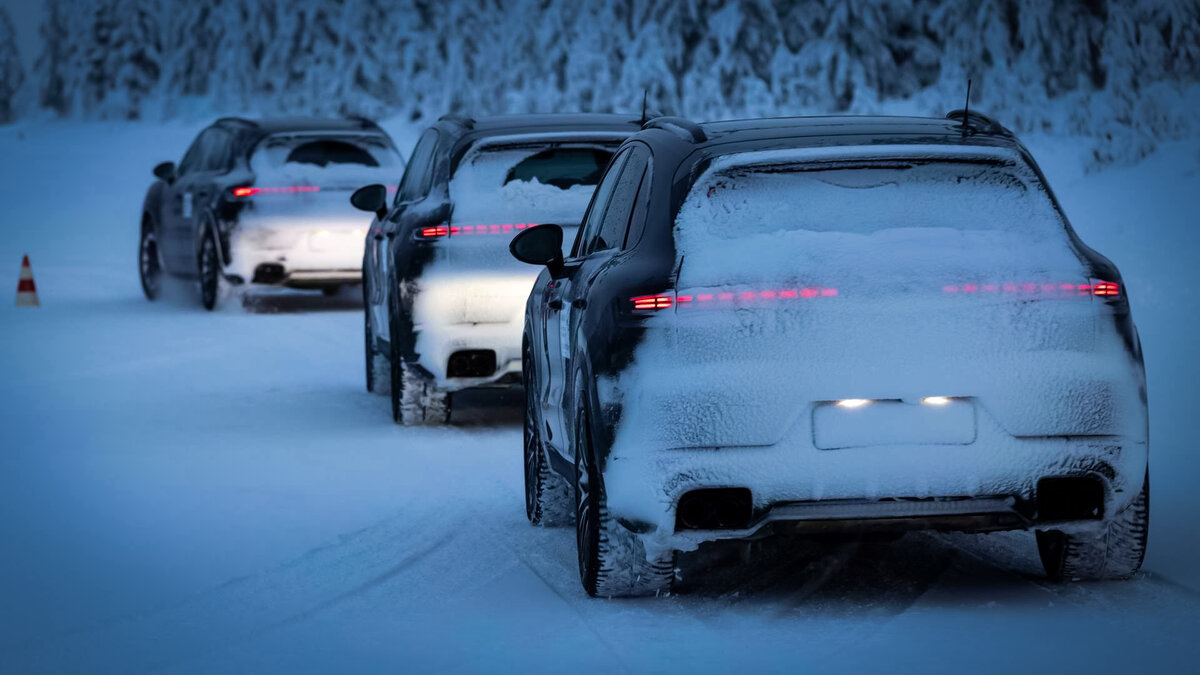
(853, 402)
(935, 400)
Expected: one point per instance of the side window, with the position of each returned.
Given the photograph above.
(416, 180)
(641, 203)
(621, 202)
(218, 153)
(194, 157)
(590, 229)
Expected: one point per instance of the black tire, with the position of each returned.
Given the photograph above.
(369, 348)
(210, 271)
(415, 400)
(1115, 553)
(378, 374)
(613, 562)
(396, 368)
(149, 265)
(547, 496)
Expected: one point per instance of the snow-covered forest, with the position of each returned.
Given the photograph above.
(1098, 68)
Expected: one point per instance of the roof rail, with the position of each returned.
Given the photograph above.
(237, 120)
(461, 120)
(689, 128)
(977, 121)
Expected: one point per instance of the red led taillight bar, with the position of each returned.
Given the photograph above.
(666, 301)
(1098, 288)
(446, 230)
(291, 189)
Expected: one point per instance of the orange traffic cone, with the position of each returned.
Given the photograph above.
(26, 289)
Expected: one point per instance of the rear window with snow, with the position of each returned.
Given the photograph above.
(326, 151)
(868, 198)
(872, 222)
(341, 160)
(498, 190)
(561, 167)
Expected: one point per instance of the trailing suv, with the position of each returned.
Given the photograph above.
(842, 324)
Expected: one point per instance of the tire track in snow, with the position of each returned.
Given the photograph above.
(242, 609)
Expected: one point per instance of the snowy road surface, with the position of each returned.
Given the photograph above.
(186, 492)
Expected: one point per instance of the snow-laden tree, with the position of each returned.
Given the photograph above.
(193, 37)
(1096, 67)
(136, 55)
(370, 85)
(12, 72)
(59, 64)
(98, 76)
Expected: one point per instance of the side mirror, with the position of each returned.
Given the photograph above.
(541, 245)
(371, 198)
(165, 171)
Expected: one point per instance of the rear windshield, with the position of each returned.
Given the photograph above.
(869, 198)
(510, 185)
(561, 167)
(335, 160)
(877, 224)
(326, 151)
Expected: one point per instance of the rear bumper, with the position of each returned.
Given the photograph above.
(990, 484)
(979, 514)
(471, 313)
(302, 260)
(437, 343)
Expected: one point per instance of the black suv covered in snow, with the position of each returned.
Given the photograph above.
(445, 302)
(830, 324)
(264, 202)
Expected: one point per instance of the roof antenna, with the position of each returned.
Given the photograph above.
(644, 92)
(966, 108)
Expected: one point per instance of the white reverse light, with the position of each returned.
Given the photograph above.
(935, 400)
(853, 402)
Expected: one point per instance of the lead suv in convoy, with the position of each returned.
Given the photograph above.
(830, 325)
(263, 202)
(444, 300)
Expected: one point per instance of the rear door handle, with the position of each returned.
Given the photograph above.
(554, 304)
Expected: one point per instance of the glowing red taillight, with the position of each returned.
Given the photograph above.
(445, 230)
(1106, 289)
(727, 298)
(291, 189)
(651, 302)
